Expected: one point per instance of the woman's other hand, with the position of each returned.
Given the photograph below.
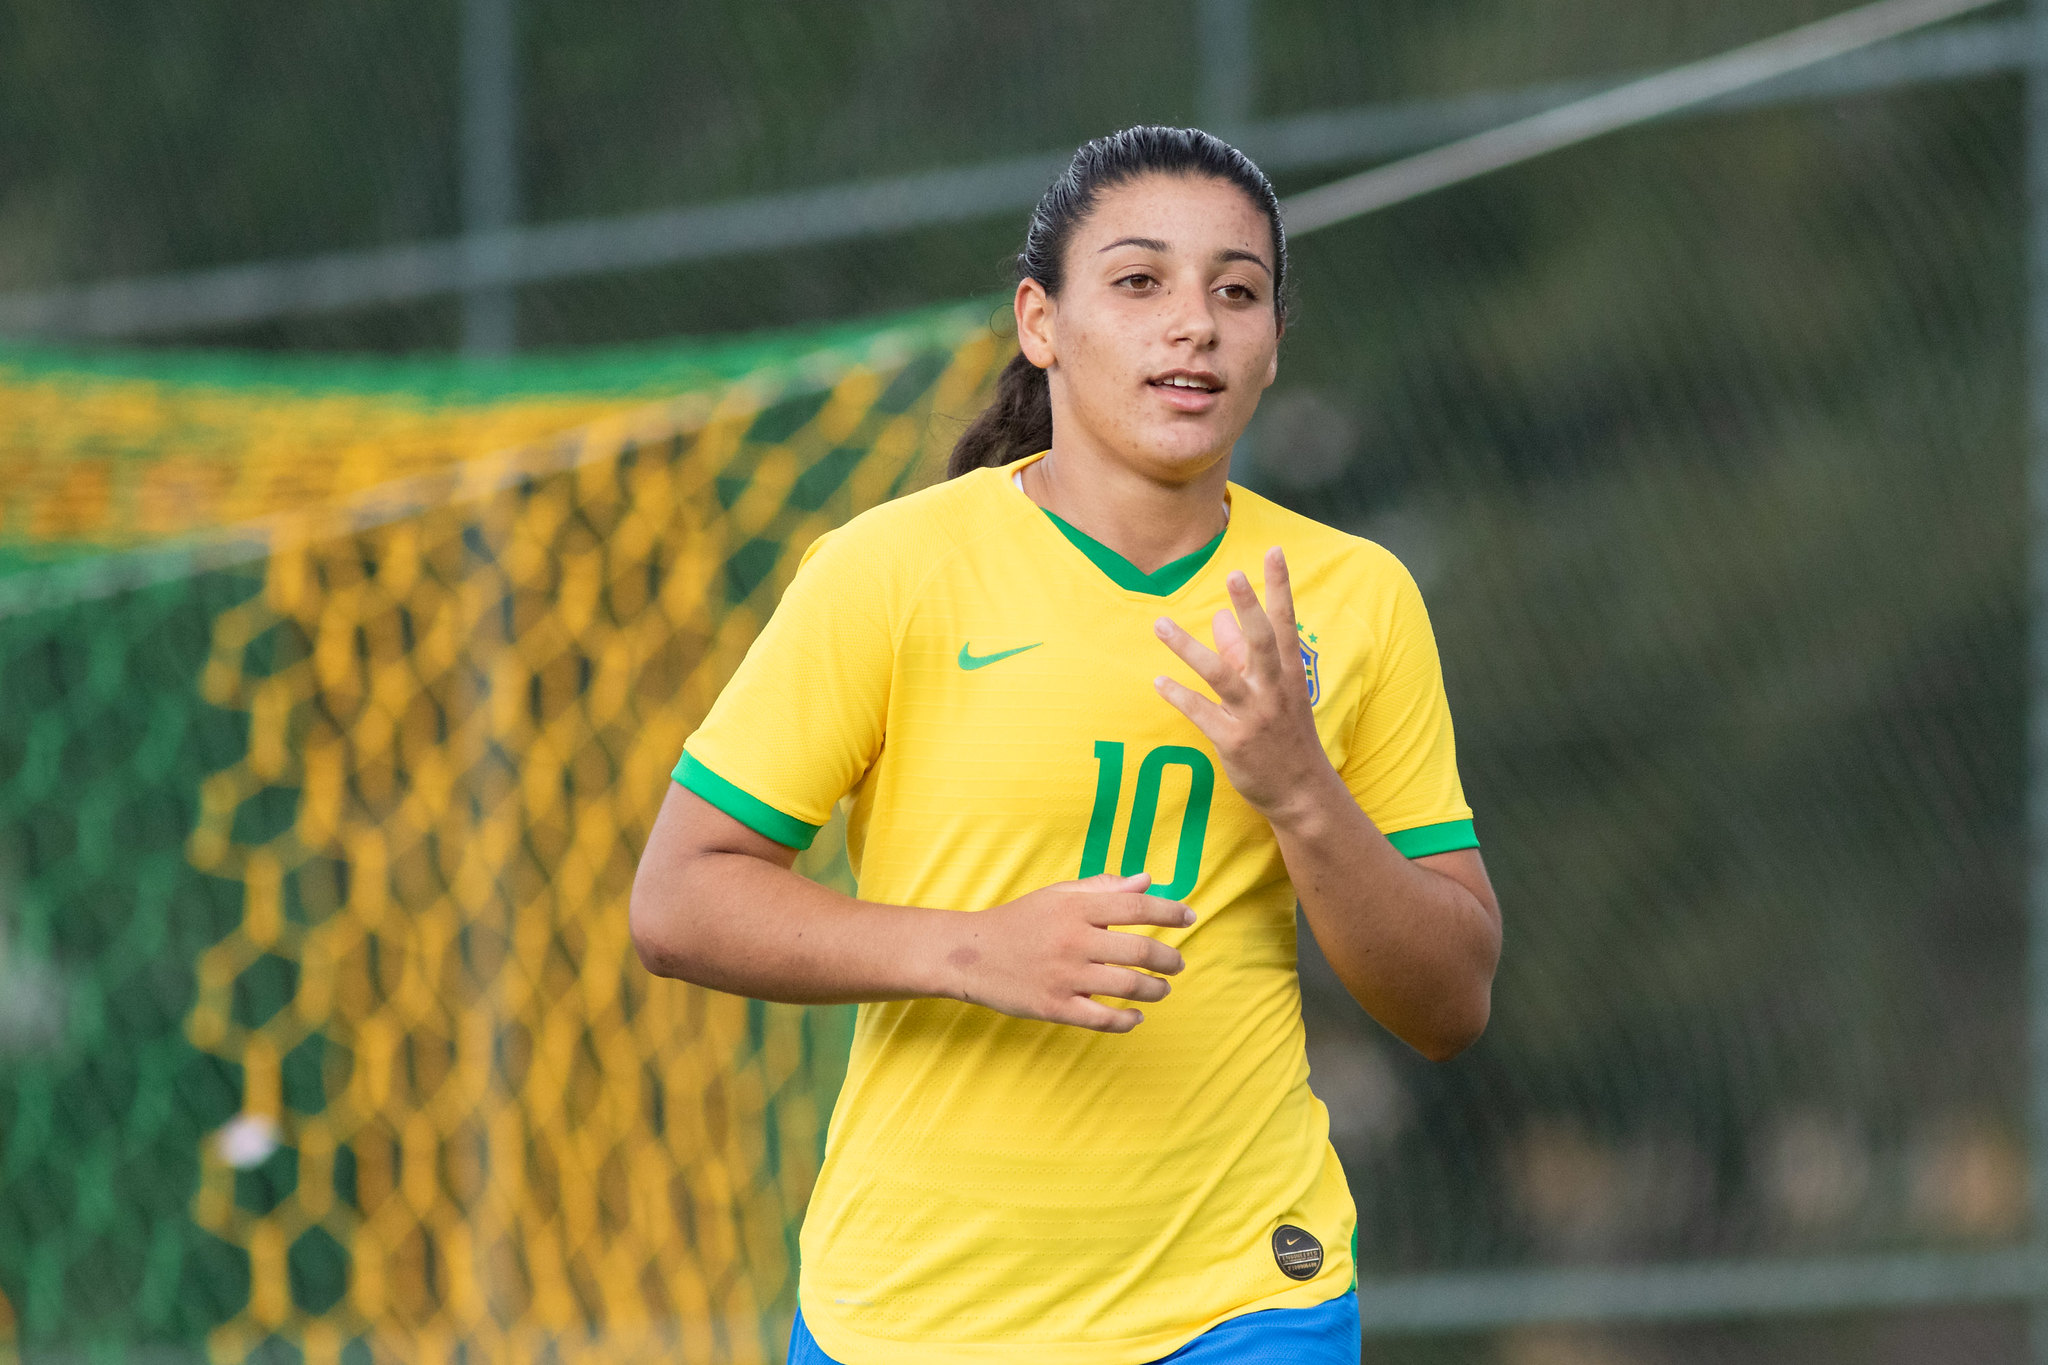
(1045, 954)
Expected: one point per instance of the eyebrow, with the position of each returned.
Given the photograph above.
(1154, 244)
(1234, 254)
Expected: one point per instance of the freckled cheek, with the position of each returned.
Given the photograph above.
(1106, 375)
(1114, 354)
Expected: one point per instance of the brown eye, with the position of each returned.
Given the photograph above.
(1239, 293)
(1136, 281)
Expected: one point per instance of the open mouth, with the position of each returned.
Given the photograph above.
(1191, 381)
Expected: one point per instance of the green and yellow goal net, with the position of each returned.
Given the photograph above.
(339, 700)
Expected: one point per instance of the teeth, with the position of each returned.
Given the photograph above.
(1183, 382)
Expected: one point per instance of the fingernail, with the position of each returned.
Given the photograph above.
(1162, 626)
(1187, 917)
(1160, 682)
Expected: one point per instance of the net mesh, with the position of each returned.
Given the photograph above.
(1706, 441)
(1706, 444)
(102, 450)
(422, 1100)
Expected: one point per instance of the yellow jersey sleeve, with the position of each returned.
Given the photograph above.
(803, 718)
(1402, 763)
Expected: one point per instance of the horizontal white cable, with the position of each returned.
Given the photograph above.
(1638, 101)
(538, 253)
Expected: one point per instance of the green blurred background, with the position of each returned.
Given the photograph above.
(1707, 442)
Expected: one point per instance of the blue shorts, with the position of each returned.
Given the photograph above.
(1324, 1335)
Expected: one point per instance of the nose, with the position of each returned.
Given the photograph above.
(1189, 318)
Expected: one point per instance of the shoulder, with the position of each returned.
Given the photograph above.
(879, 563)
(1359, 607)
(1362, 574)
(913, 532)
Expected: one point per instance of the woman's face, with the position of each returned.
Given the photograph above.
(1164, 333)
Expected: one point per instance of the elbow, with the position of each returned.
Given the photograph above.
(646, 942)
(1450, 1041)
(1439, 1023)
(1459, 1024)
(653, 922)
(1455, 1030)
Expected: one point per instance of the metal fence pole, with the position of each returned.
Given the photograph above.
(1229, 66)
(2036, 230)
(490, 168)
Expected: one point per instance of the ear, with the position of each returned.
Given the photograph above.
(1035, 328)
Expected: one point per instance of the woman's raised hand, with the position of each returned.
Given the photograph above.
(1043, 955)
(1260, 721)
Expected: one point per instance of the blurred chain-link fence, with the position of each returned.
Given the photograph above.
(1707, 441)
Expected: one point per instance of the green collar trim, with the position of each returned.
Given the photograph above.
(1161, 582)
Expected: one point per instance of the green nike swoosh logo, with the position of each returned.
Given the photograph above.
(970, 663)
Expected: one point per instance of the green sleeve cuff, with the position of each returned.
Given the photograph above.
(750, 810)
(1424, 840)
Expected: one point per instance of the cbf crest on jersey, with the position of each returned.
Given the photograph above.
(1308, 664)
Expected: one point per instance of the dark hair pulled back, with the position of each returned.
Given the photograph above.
(1018, 421)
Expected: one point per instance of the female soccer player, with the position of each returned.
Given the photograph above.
(1062, 797)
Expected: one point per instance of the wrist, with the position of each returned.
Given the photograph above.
(1310, 805)
(942, 955)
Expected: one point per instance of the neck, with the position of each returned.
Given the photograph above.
(1148, 522)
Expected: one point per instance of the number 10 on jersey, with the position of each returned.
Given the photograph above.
(1194, 821)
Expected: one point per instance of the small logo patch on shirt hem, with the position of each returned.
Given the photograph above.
(1297, 1252)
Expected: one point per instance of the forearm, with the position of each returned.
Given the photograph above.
(737, 923)
(715, 903)
(1416, 948)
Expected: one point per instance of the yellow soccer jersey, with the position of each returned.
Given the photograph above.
(978, 676)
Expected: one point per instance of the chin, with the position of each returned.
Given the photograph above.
(1177, 456)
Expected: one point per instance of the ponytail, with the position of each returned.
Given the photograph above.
(1017, 422)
